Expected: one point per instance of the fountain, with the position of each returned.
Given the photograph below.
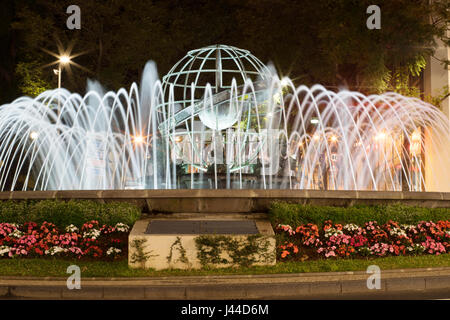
(221, 119)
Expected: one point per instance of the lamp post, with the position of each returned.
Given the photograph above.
(63, 60)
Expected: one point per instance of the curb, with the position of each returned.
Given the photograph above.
(332, 285)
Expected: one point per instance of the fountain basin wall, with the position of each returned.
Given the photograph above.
(235, 201)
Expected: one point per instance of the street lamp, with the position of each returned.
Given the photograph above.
(63, 60)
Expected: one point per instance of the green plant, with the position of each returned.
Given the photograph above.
(438, 97)
(139, 255)
(62, 213)
(31, 80)
(179, 246)
(243, 252)
(297, 214)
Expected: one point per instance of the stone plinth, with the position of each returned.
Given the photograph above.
(169, 249)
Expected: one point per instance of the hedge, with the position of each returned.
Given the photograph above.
(297, 214)
(62, 213)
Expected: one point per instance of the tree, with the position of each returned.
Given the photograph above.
(7, 53)
(328, 42)
(31, 78)
(312, 41)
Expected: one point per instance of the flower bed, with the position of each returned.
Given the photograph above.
(92, 240)
(335, 240)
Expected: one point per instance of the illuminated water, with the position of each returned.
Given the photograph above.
(258, 135)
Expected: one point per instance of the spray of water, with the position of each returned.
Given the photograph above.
(263, 134)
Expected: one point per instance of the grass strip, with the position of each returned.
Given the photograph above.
(54, 267)
(297, 214)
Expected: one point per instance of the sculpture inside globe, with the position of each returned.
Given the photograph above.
(219, 117)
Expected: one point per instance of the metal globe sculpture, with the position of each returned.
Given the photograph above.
(206, 93)
(212, 70)
(215, 65)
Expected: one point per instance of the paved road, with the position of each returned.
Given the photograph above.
(408, 295)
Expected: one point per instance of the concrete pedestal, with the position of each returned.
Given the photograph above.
(179, 251)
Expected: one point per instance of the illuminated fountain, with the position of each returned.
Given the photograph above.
(222, 119)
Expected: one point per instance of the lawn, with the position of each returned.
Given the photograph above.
(53, 267)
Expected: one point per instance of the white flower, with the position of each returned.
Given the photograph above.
(55, 250)
(351, 227)
(113, 251)
(397, 232)
(4, 249)
(16, 234)
(71, 228)
(122, 227)
(332, 232)
(416, 247)
(92, 233)
(365, 250)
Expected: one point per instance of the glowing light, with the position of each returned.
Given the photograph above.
(138, 139)
(334, 138)
(414, 148)
(314, 121)
(64, 59)
(284, 82)
(34, 135)
(178, 138)
(416, 136)
(416, 145)
(316, 137)
(380, 136)
(270, 114)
